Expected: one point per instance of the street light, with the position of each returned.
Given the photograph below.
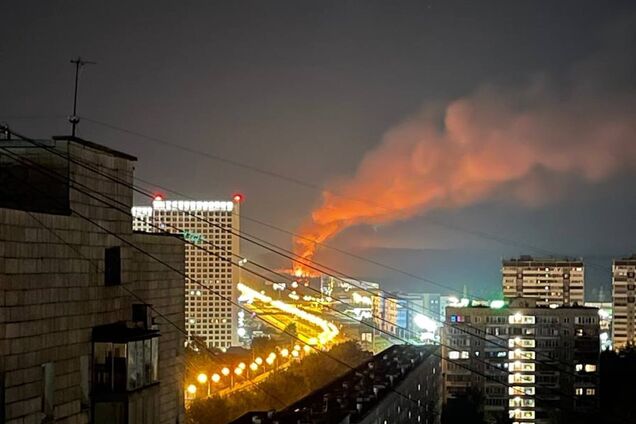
(307, 348)
(258, 360)
(192, 389)
(238, 370)
(225, 371)
(284, 353)
(253, 366)
(295, 353)
(242, 366)
(216, 378)
(202, 378)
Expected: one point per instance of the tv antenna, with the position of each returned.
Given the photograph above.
(79, 63)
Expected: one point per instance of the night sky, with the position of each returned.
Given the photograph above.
(305, 89)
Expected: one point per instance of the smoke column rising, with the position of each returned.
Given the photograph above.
(475, 147)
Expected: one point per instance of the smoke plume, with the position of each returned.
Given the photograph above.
(475, 147)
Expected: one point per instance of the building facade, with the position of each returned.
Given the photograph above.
(551, 281)
(79, 342)
(399, 385)
(529, 362)
(624, 302)
(211, 228)
(385, 313)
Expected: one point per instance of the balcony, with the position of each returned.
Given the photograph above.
(125, 374)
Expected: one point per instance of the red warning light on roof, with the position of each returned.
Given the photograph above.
(238, 198)
(158, 197)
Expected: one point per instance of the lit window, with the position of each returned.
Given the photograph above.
(578, 367)
(590, 392)
(453, 354)
(578, 391)
(590, 368)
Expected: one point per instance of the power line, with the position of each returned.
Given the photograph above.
(128, 185)
(212, 354)
(199, 283)
(132, 245)
(316, 187)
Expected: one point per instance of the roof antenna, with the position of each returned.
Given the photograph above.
(74, 119)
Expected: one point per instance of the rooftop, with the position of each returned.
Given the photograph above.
(351, 396)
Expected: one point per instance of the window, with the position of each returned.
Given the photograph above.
(85, 367)
(48, 389)
(453, 354)
(112, 266)
(590, 392)
(590, 368)
(520, 378)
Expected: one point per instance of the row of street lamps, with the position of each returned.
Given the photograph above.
(270, 360)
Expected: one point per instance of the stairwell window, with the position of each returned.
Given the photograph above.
(112, 266)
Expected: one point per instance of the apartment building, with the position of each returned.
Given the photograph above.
(85, 314)
(624, 302)
(551, 281)
(212, 254)
(529, 362)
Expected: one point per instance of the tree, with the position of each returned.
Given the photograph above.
(465, 408)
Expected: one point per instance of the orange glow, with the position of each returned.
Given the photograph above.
(490, 145)
(238, 198)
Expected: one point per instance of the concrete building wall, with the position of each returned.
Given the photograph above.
(53, 294)
(549, 281)
(624, 302)
(547, 356)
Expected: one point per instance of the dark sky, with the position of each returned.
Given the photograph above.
(304, 89)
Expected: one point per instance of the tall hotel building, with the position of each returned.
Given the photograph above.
(551, 281)
(210, 228)
(624, 299)
(535, 365)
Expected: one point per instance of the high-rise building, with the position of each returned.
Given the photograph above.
(211, 228)
(606, 324)
(624, 301)
(385, 313)
(547, 356)
(85, 317)
(552, 281)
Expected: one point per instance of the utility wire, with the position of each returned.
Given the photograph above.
(126, 212)
(316, 187)
(135, 247)
(350, 278)
(128, 185)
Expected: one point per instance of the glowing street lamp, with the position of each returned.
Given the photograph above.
(295, 353)
(284, 353)
(192, 389)
(238, 370)
(242, 365)
(270, 360)
(202, 378)
(253, 366)
(225, 371)
(307, 348)
(259, 360)
(216, 378)
(297, 347)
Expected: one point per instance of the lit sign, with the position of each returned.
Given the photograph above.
(192, 237)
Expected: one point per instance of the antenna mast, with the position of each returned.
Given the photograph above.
(74, 119)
